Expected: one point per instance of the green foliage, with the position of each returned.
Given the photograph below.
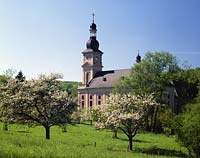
(3, 79)
(71, 88)
(166, 118)
(187, 127)
(186, 84)
(79, 142)
(151, 75)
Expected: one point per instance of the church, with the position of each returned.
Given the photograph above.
(97, 84)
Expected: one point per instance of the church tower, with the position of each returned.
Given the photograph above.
(92, 56)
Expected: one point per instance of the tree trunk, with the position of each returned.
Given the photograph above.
(5, 126)
(114, 134)
(197, 153)
(64, 128)
(146, 123)
(155, 120)
(47, 128)
(130, 143)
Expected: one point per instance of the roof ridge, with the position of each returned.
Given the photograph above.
(116, 70)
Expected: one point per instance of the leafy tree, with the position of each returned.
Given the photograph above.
(40, 102)
(151, 75)
(186, 124)
(124, 112)
(3, 80)
(186, 84)
(166, 118)
(187, 127)
(71, 88)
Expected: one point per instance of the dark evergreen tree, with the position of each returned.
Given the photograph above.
(20, 77)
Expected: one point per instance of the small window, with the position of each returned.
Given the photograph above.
(87, 77)
(104, 79)
(83, 97)
(90, 96)
(90, 105)
(82, 104)
(99, 100)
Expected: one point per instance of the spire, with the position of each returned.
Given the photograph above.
(138, 58)
(93, 17)
(92, 43)
(93, 27)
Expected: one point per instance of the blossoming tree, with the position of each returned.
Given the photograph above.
(125, 112)
(39, 102)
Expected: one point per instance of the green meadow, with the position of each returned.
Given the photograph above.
(83, 141)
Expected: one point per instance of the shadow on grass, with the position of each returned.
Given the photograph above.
(154, 151)
(13, 131)
(161, 152)
(86, 123)
(134, 140)
(23, 131)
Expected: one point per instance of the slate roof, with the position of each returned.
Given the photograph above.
(104, 79)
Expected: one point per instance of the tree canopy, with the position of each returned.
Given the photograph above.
(186, 84)
(71, 88)
(125, 112)
(39, 101)
(187, 127)
(150, 75)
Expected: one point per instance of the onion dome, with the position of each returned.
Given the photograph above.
(92, 43)
(138, 58)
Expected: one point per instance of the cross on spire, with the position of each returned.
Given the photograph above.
(93, 17)
(138, 51)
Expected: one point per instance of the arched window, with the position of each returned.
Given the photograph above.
(87, 77)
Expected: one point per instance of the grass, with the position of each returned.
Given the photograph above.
(83, 141)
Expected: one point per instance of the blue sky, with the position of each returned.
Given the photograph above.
(42, 36)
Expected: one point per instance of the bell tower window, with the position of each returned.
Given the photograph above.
(87, 77)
